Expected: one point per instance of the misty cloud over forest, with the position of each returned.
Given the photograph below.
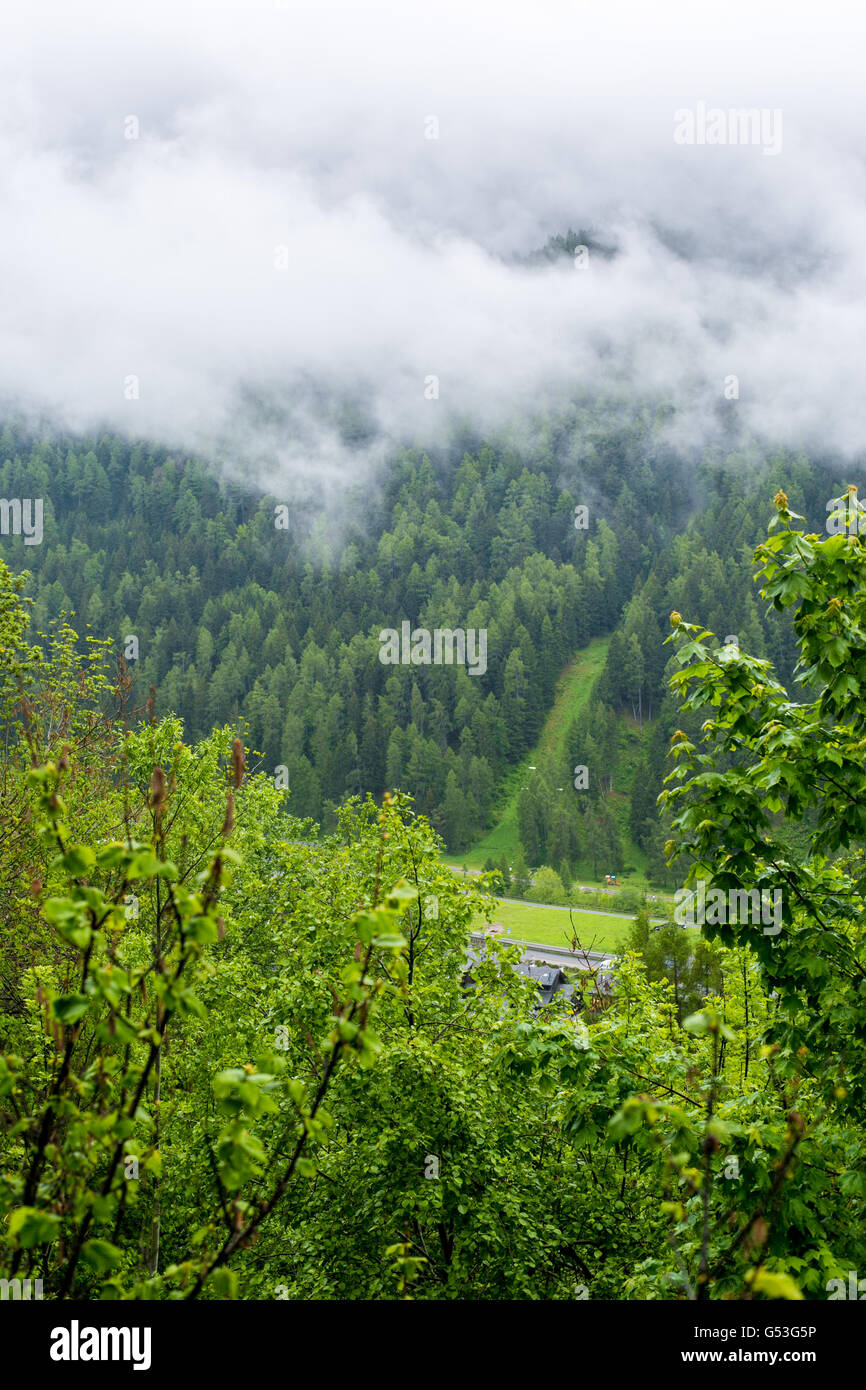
(281, 242)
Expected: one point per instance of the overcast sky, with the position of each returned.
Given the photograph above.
(283, 230)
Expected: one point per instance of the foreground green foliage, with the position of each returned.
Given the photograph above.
(234, 1066)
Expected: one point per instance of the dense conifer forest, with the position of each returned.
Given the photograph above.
(254, 610)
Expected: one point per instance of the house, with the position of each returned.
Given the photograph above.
(551, 980)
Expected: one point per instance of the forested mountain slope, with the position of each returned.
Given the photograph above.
(255, 609)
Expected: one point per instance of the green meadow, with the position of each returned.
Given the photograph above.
(554, 926)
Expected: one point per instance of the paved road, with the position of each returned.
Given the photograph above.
(584, 961)
(601, 911)
(594, 911)
(554, 955)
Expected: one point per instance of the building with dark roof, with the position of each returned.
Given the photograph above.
(550, 979)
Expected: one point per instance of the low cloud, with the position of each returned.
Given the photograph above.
(278, 265)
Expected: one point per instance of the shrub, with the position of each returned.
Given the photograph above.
(547, 887)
